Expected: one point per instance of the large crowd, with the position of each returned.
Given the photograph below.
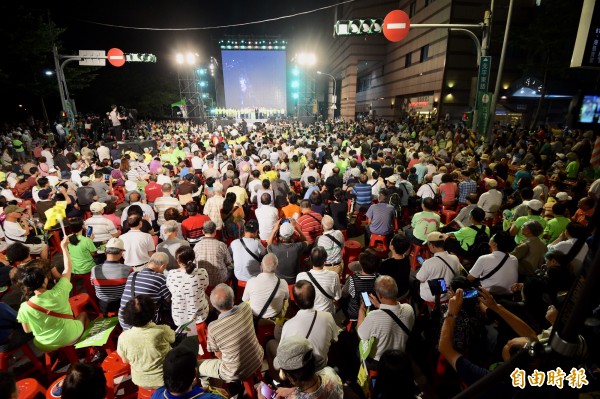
(277, 250)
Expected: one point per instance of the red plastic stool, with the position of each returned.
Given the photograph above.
(380, 244)
(67, 352)
(78, 303)
(249, 384)
(26, 350)
(352, 250)
(264, 331)
(114, 367)
(51, 387)
(54, 241)
(448, 215)
(145, 393)
(89, 287)
(345, 234)
(29, 388)
(241, 286)
(417, 250)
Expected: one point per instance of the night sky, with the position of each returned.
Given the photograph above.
(310, 32)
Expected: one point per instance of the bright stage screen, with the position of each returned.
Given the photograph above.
(254, 79)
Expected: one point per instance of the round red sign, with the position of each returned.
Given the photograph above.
(396, 25)
(116, 57)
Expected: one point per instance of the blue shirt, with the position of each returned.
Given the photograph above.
(310, 191)
(465, 188)
(382, 218)
(363, 194)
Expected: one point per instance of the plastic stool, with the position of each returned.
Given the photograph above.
(264, 331)
(51, 387)
(78, 303)
(380, 244)
(35, 362)
(29, 388)
(417, 250)
(448, 215)
(67, 352)
(145, 393)
(114, 367)
(89, 287)
(249, 384)
(241, 286)
(54, 241)
(352, 250)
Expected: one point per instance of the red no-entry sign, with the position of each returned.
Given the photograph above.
(116, 57)
(396, 25)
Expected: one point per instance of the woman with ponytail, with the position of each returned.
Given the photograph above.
(187, 285)
(81, 248)
(47, 312)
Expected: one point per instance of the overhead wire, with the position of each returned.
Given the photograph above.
(220, 26)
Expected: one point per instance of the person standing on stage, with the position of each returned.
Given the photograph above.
(115, 119)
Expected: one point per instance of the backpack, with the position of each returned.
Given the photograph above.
(481, 244)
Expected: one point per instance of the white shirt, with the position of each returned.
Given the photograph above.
(490, 202)
(253, 187)
(327, 170)
(162, 179)
(503, 279)
(49, 158)
(388, 334)
(13, 232)
(323, 332)
(427, 190)
(259, 289)
(334, 251)
(103, 228)
(137, 247)
(565, 246)
(197, 162)
(435, 267)
(330, 282)
(267, 216)
(146, 209)
(244, 265)
(103, 152)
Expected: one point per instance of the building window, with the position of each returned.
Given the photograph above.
(412, 9)
(408, 60)
(424, 53)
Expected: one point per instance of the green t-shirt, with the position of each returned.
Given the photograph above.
(572, 169)
(555, 227)
(51, 332)
(466, 236)
(424, 223)
(18, 145)
(521, 221)
(81, 255)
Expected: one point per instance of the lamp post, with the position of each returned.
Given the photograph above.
(333, 97)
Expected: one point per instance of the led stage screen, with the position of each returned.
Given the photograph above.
(254, 79)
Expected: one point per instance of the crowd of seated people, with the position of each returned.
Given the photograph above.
(243, 239)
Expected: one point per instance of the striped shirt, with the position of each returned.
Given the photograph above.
(188, 298)
(356, 284)
(363, 194)
(161, 204)
(233, 335)
(103, 228)
(109, 280)
(333, 249)
(330, 282)
(147, 282)
(388, 334)
(310, 224)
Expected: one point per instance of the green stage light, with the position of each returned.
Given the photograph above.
(295, 72)
(295, 96)
(295, 84)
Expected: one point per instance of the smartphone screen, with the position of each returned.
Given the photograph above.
(420, 259)
(443, 287)
(266, 391)
(106, 177)
(89, 231)
(470, 294)
(366, 299)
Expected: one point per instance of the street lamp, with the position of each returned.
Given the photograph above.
(334, 97)
(48, 73)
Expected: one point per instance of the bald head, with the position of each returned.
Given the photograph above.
(269, 263)
(222, 298)
(386, 287)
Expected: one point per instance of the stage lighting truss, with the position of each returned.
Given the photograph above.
(355, 27)
(253, 44)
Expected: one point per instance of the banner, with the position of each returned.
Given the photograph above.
(97, 333)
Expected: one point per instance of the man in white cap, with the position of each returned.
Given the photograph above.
(491, 200)
(110, 277)
(86, 194)
(103, 228)
(535, 209)
(440, 265)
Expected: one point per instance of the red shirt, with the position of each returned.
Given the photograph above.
(153, 190)
(310, 224)
(191, 227)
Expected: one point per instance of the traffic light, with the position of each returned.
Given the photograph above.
(362, 26)
(468, 118)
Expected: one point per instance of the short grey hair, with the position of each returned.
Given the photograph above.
(327, 222)
(159, 259)
(171, 226)
(209, 227)
(270, 263)
(218, 187)
(386, 287)
(534, 227)
(113, 251)
(222, 297)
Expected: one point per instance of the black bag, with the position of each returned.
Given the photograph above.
(163, 312)
(481, 244)
(31, 239)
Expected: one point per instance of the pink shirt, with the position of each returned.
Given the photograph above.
(448, 191)
(115, 219)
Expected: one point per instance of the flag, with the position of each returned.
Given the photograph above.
(595, 161)
(55, 215)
